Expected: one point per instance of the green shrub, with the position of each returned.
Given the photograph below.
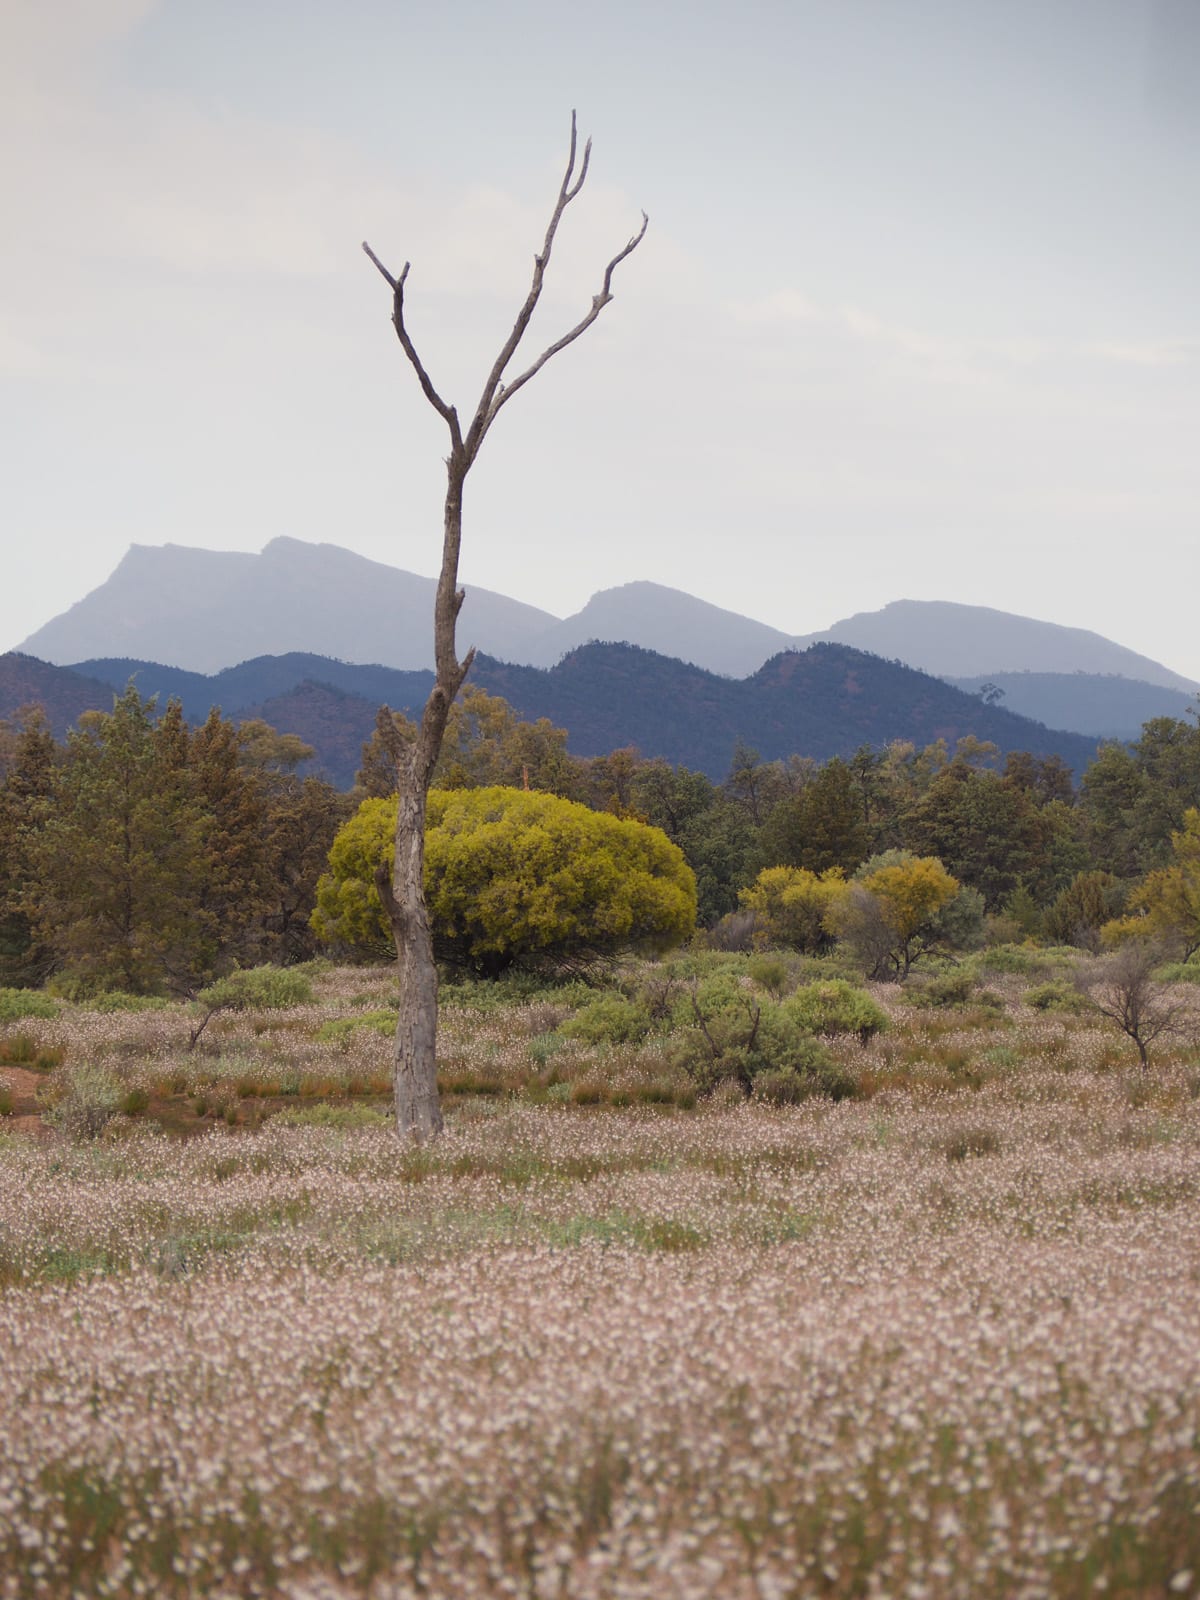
(833, 1006)
(83, 1100)
(953, 988)
(111, 1000)
(18, 1003)
(609, 1019)
(1010, 958)
(1179, 972)
(1055, 997)
(514, 878)
(721, 988)
(134, 1102)
(728, 1033)
(6, 1098)
(770, 973)
(1001, 1058)
(258, 989)
(462, 993)
(338, 1030)
(543, 1047)
(811, 1072)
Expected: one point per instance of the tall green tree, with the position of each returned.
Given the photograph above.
(29, 757)
(981, 828)
(713, 831)
(822, 826)
(1165, 906)
(302, 817)
(234, 889)
(120, 861)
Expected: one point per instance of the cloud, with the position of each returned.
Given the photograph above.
(1146, 353)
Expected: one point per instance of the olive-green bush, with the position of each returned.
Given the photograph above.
(18, 1003)
(258, 989)
(513, 877)
(832, 1006)
(609, 1019)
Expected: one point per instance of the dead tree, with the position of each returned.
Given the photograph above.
(415, 750)
(1122, 988)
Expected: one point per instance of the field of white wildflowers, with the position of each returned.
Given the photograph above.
(942, 1339)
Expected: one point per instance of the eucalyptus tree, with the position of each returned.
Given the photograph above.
(414, 749)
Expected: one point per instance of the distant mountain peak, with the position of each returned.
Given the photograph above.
(205, 610)
(961, 641)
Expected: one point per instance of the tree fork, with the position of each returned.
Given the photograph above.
(418, 1110)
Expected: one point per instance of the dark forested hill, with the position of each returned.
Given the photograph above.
(819, 702)
(243, 690)
(63, 693)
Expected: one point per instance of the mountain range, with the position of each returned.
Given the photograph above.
(827, 700)
(206, 611)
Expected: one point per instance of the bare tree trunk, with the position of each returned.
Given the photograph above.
(418, 1111)
(414, 1082)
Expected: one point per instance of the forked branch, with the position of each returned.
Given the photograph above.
(496, 393)
(504, 392)
(410, 350)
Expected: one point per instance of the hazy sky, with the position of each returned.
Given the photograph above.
(917, 314)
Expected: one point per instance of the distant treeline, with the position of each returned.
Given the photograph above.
(146, 854)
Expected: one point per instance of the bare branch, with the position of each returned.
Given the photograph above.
(567, 190)
(382, 268)
(447, 412)
(599, 301)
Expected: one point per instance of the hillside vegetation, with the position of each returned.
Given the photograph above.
(827, 701)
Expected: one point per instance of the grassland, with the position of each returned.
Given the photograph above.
(607, 1337)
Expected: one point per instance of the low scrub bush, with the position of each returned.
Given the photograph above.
(966, 1142)
(83, 1100)
(1018, 960)
(16, 1004)
(112, 1000)
(460, 993)
(730, 1035)
(259, 989)
(1179, 972)
(812, 1072)
(609, 1019)
(953, 988)
(19, 1050)
(1055, 997)
(770, 972)
(833, 1006)
(338, 1030)
(722, 987)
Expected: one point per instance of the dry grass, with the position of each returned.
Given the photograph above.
(941, 1340)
